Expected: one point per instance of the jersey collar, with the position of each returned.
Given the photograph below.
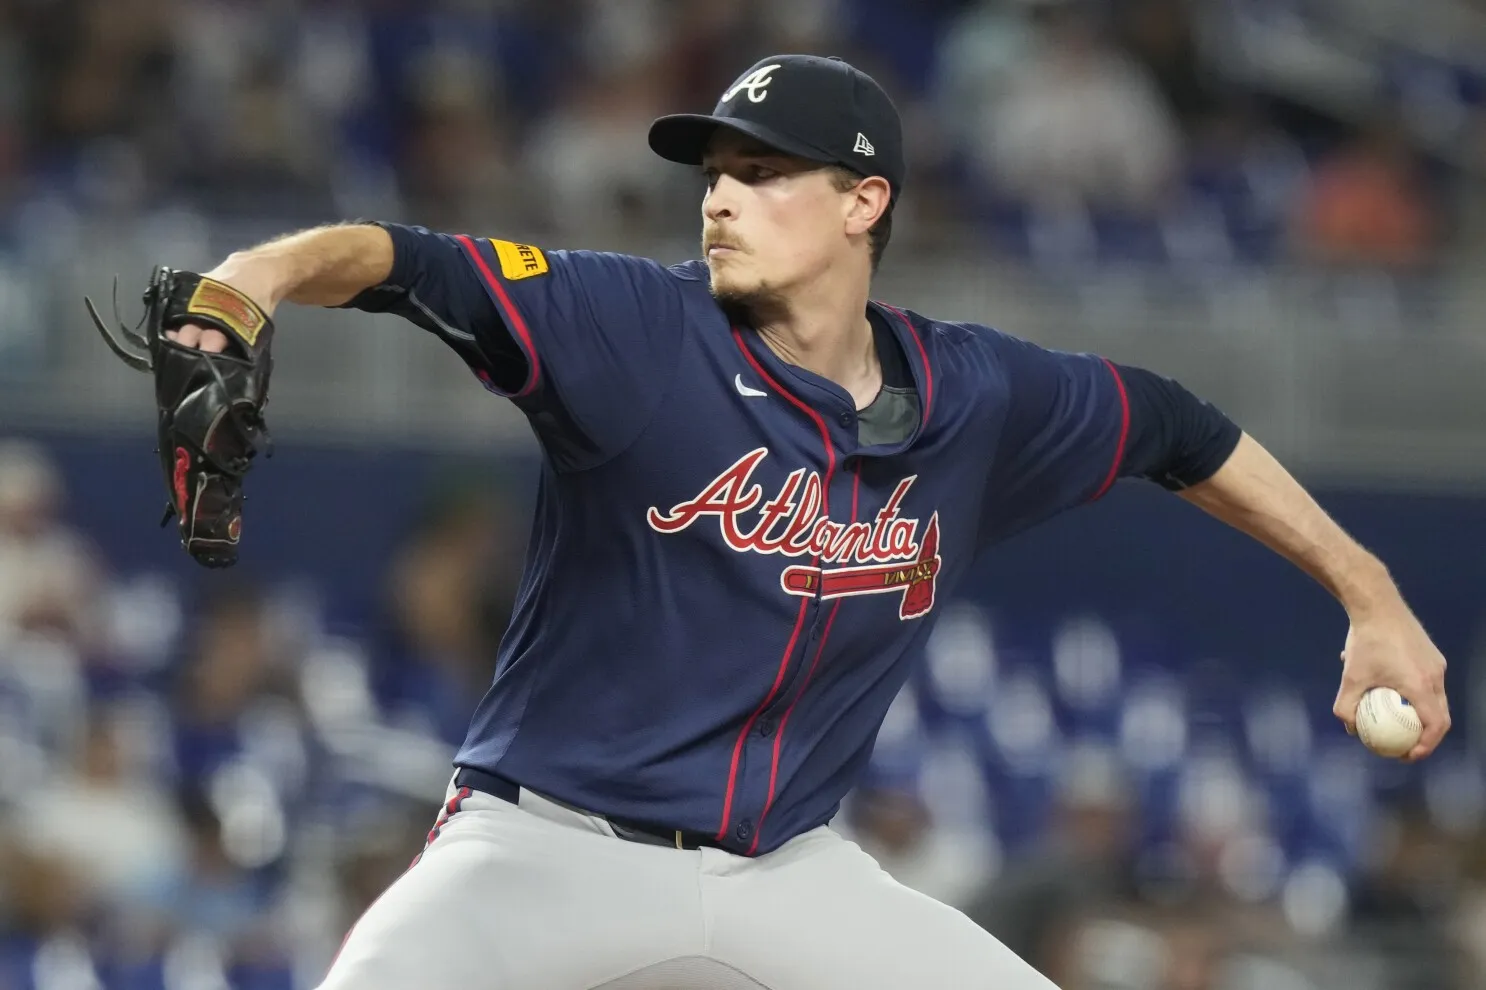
(831, 401)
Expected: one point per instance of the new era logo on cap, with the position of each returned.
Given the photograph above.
(863, 146)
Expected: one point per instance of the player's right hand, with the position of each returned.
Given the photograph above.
(1388, 647)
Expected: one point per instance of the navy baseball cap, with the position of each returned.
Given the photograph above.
(821, 109)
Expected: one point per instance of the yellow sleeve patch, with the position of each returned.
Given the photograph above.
(518, 261)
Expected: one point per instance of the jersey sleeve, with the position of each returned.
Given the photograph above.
(581, 341)
(1064, 434)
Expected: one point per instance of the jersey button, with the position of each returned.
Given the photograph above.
(846, 419)
(766, 727)
(744, 831)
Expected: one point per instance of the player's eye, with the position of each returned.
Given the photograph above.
(747, 174)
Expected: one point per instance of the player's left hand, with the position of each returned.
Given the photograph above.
(1389, 648)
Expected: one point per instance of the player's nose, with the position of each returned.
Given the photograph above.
(721, 201)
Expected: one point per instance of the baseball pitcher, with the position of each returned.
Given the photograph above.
(758, 486)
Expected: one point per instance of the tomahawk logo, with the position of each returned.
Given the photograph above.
(756, 83)
(883, 555)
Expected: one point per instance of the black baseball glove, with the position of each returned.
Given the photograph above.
(210, 405)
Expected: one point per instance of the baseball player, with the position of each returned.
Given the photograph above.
(758, 484)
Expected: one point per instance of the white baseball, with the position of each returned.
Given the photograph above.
(1386, 723)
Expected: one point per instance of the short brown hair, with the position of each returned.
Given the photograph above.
(882, 231)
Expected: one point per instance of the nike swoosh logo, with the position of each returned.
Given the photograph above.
(744, 390)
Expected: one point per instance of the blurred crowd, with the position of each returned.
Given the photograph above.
(204, 786)
(1054, 130)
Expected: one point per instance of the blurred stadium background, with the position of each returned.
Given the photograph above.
(1118, 755)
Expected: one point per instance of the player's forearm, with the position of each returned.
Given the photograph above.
(1255, 494)
(325, 266)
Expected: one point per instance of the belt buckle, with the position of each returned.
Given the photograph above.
(680, 843)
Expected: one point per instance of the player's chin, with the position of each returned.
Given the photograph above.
(731, 286)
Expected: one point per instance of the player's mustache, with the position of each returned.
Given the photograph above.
(715, 238)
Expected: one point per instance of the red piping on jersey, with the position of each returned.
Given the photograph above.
(825, 437)
(856, 487)
(1119, 457)
(924, 356)
(820, 424)
(783, 721)
(513, 315)
(794, 637)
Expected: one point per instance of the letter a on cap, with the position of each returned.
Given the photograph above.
(756, 83)
(863, 146)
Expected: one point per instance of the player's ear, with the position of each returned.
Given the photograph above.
(868, 201)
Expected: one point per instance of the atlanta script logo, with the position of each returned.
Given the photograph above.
(881, 556)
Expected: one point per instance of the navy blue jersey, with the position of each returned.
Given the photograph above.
(724, 591)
